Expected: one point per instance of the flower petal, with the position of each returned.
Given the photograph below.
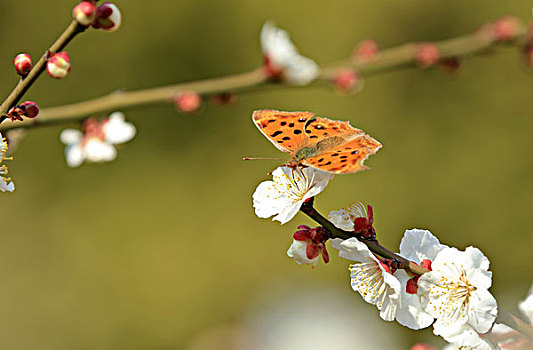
(74, 155)
(99, 151)
(418, 245)
(117, 130)
(484, 310)
(410, 312)
(526, 306)
(70, 136)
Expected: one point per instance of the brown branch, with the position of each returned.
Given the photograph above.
(515, 323)
(400, 57)
(308, 209)
(24, 84)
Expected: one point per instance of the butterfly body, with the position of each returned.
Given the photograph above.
(329, 145)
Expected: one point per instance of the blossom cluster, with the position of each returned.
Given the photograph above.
(452, 295)
(96, 141)
(282, 59)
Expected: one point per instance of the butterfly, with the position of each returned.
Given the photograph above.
(329, 145)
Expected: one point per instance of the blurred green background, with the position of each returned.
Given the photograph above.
(161, 246)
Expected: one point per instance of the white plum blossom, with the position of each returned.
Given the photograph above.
(117, 130)
(417, 246)
(371, 278)
(526, 306)
(402, 306)
(308, 245)
(282, 59)
(288, 190)
(344, 217)
(298, 251)
(5, 183)
(96, 143)
(80, 148)
(456, 293)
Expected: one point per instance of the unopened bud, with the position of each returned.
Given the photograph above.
(188, 101)
(84, 13)
(222, 99)
(58, 65)
(506, 28)
(366, 50)
(450, 65)
(23, 64)
(427, 55)
(346, 80)
(108, 17)
(421, 346)
(29, 109)
(26, 109)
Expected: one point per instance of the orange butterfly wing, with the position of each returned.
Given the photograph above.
(320, 129)
(338, 147)
(284, 129)
(346, 157)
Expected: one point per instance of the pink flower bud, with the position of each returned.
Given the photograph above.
(29, 109)
(84, 13)
(506, 28)
(421, 346)
(188, 101)
(58, 65)
(108, 17)
(346, 80)
(366, 49)
(427, 55)
(23, 64)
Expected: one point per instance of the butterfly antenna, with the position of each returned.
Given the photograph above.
(261, 158)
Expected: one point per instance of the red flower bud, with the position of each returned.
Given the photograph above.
(506, 28)
(58, 65)
(366, 50)
(108, 17)
(23, 64)
(188, 101)
(346, 80)
(84, 13)
(29, 109)
(427, 55)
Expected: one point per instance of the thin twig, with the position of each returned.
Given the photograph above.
(400, 57)
(308, 209)
(24, 84)
(515, 323)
